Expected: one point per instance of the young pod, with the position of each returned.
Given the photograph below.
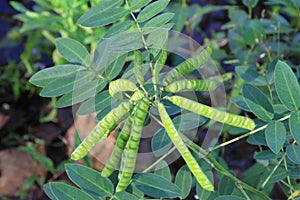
(102, 130)
(115, 156)
(188, 66)
(191, 85)
(120, 85)
(130, 152)
(183, 150)
(213, 113)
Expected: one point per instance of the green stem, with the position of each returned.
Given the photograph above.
(272, 172)
(153, 70)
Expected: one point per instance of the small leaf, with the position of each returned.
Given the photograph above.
(294, 124)
(151, 10)
(184, 181)
(44, 77)
(59, 191)
(287, 86)
(102, 14)
(73, 51)
(115, 68)
(89, 180)
(275, 134)
(162, 169)
(81, 93)
(119, 28)
(159, 20)
(156, 186)
(94, 104)
(250, 75)
(138, 4)
(124, 195)
(293, 153)
(125, 42)
(66, 84)
(258, 103)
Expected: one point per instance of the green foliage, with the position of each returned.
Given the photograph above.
(124, 80)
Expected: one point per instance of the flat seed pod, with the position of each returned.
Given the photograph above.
(115, 156)
(212, 113)
(120, 85)
(102, 130)
(183, 150)
(191, 85)
(130, 152)
(188, 66)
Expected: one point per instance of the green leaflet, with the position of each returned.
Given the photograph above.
(151, 10)
(159, 20)
(119, 28)
(275, 134)
(89, 180)
(258, 103)
(287, 86)
(188, 66)
(67, 84)
(102, 130)
(181, 147)
(58, 191)
(81, 93)
(192, 85)
(120, 85)
(212, 113)
(156, 186)
(130, 152)
(73, 51)
(44, 77)
(104, 13)
(294, 124)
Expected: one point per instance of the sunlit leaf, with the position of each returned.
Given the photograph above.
(151, 10)
(73, 51)
(156, 186)
(258, 103)
(287, 86)
(275, 134)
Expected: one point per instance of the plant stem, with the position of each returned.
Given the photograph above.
(153, 70)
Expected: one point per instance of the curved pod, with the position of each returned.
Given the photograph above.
(183, 150)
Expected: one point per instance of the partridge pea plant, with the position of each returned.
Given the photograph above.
(124, 79)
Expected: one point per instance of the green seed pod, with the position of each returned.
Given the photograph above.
(188, 66)
(183, 150)
(102, 130)
(130, 152)
(137, 95)
(191, 85)
(212, 113)
(115, 156)
(120, 85)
